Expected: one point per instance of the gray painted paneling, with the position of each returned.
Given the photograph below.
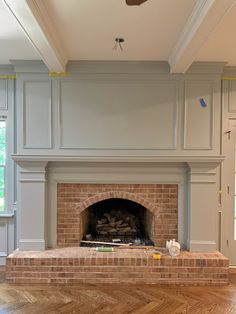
(6, 237)
(37, 114)
(3, 237)
(232, 96)
(198, 115)
(3, 94)
(118, 114)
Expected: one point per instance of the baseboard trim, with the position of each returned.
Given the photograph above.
(202, 246)
(2, 260)
(32, 245)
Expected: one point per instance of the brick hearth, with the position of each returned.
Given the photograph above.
(85, 265)
(160, 200)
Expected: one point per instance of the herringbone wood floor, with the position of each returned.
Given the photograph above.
(138, 299)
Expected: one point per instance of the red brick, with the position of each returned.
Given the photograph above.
(72, 199)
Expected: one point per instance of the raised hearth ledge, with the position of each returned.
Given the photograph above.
(85, 265)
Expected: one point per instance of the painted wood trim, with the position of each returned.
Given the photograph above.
(187, 146)
(118, 159)
(116, 67)
(5, 224)
(5, 88)
(230, 98)
(50, 145)
(32, 245)
(175, 116)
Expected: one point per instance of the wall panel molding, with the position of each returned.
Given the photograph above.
(102, 109)
(6, 237)
(198, 115)
(3, 94)
(232, 97)
(37, 114)
(115, 114)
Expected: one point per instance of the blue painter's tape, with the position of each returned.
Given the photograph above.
(202, 103)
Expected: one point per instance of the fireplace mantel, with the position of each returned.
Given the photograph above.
(23, 159)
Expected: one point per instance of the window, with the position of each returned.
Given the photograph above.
(3, 150)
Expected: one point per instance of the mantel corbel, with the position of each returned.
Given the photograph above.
(203, 165)
(31, 164)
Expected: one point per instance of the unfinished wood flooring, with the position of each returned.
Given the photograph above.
(116, 298)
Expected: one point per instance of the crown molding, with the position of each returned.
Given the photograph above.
(7, 69)
(229, 71)
(206, 67)
(139, 67)
(34, 20)
(206, 15)
(129, 67)
(29, 66)
(114, 67)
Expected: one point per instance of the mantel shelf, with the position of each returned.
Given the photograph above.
(118, 159)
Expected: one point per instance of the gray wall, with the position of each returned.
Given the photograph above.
(103, 111)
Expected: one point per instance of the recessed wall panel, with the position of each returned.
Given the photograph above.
(232, 96)
(3, 237)
(113, 114)
(37, 114)
(198, 115)
(3, 94)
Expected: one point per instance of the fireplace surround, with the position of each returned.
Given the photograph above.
(42, 176)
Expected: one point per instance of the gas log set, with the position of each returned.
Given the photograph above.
(115, 222)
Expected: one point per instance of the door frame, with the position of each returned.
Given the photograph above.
(227, 192)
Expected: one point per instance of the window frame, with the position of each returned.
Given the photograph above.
(7, 114)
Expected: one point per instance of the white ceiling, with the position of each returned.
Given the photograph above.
(87, 28)
(178, 31)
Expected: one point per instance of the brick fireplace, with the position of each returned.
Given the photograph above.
(178, 193)
(159, 200)
(179, 196)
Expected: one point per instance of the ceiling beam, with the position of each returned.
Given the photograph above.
(206, 15)
(34, 20)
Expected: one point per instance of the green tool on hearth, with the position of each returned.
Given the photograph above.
(104, 249)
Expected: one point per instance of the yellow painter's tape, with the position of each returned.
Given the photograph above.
(58, 74)
(228, 78)
(8, 77)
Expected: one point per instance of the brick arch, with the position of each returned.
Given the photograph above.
(118, 194)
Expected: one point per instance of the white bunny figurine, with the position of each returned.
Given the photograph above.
(173, 247)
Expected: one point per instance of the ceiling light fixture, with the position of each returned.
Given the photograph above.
(135, 2)
(118, 43)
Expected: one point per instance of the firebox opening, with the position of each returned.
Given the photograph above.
(117, 219)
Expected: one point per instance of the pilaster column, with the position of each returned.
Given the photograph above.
(202, 206)
(32, 202)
